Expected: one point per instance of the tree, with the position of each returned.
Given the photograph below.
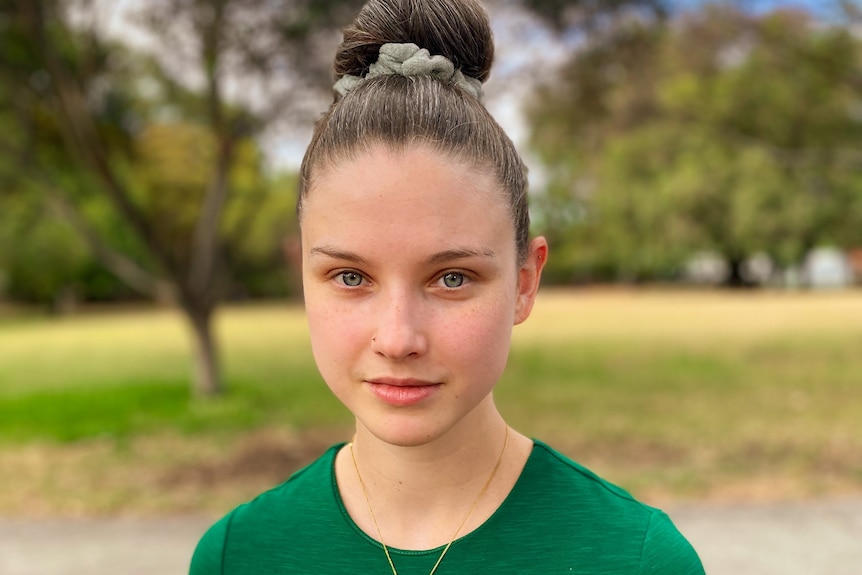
(594, 16)
(703, 135)
(166, 136)
(604, 90)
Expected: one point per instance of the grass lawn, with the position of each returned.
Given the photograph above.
(671, 394)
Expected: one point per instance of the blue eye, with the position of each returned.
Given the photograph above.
(350, 279)
(453, 280)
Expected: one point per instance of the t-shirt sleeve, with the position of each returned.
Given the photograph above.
(208, 555)
(666, 551)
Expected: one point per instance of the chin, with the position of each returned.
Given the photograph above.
(401, 431)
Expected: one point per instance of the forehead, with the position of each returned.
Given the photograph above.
(383, 163)
(410, 189)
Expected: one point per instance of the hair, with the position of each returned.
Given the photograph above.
(397, 111)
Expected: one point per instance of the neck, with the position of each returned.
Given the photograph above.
(420, 494)
(439, 467)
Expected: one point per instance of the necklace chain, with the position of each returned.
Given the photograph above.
(457, 531)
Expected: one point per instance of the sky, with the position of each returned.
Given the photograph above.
(822, 8)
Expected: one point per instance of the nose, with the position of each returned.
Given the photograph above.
(400, 330)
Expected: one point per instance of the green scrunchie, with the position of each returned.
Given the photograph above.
(411, 60)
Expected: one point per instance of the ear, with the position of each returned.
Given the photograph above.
(529, 276)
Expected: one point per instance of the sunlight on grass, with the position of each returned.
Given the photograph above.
(691, 317)
(90, 351)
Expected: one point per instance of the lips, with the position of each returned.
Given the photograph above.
(402, 392)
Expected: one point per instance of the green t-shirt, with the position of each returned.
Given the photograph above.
(559, 518)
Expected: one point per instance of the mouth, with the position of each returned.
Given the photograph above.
(402, 392)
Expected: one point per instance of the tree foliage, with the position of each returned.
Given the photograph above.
(721, 131)
(591, 16)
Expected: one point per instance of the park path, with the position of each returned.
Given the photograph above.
(811, 538)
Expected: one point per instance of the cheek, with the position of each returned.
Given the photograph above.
(480, 338)
(335, 331)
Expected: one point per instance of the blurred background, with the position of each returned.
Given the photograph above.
(695, 165)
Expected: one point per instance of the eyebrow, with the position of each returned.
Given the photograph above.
(338, 254)
(438, 258)
(460, 254)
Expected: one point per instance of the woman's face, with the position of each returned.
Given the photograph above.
(412, 287)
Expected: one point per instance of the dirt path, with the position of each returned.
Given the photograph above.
(812, 538)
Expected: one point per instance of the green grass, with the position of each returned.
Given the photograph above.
(670, 394)
(123, 375)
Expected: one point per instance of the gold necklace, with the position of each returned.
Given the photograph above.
(457, 531)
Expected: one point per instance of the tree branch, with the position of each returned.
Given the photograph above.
(124, 268)
(205, 241)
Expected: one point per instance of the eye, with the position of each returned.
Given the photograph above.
(350, 278)
(453, 279)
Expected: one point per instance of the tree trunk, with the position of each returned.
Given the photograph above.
(207, 372)
(735, 277)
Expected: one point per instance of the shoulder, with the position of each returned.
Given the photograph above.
(303, 488)
(573, 480)
(269, 515)
(578, 496)
(666, 550)
(207, 558)
(586, 508)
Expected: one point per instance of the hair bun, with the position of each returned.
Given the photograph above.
(457, 29)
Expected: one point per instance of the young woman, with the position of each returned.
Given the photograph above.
(417, 263)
